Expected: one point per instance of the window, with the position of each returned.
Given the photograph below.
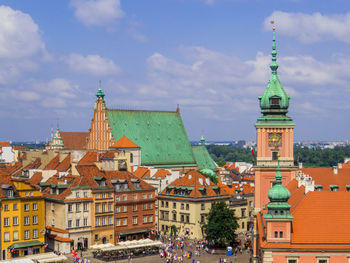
(10, 193)
(52, 207)
(77, 222)
(97, 221)
(131, 158)
(6, 221)
(15, 235)
(7, 236)
(103, 220)
(35, 220)
(104, 207)
(110, 220)
(77, 194)
(26, 220)
(117, 198)
(202, 218)
(6, 207)
(134, 197)
(144, 207)
(124, 208)
(149, 205)
(86, 206)
(110, 207)
(182, 218)
(134, 207)
(118, 209)
(162, 204)
(166, 204)
(14, 206)
(26, 207)
(174, 216)
(85, 221)
(187, 218)
(69, 223)
(97, 208)
(322, 259)
(134, 220)
(35, 233)
(292, 261)
(118, 222)
(109, 195)
(274, 156)
(15, 220)
(144, 196)
(53, 222)
(187, 207)
(174, 205)
(276, 234)
(124, 197)
(85, 194)
(281, 234)
(242, 225)
(242, 212)
(77, 207)
(70, 208)
(26, 234)
(124, 222)
(96, 237)
(144, 219)
(103, 195)
(150, 219)
(182, 206)
(274, 101)
(149, 195)
(202, 206)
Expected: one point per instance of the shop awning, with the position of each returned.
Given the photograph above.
(134, 232)
(26, 244)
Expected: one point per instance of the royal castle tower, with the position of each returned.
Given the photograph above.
(274, 131)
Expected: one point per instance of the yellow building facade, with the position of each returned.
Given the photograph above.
(22, 219)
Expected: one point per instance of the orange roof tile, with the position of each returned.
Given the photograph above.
(161, 174)
(34, 165)
(124, 142)
(74, 140)
(89, 158)
(142, 172)
(53, 163)
(56, 229)
(5, 144)
(64, 165)
(36, 178)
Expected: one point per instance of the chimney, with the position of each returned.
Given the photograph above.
(300, 165)
(335, 169)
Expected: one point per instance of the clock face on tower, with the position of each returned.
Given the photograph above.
(275, 140)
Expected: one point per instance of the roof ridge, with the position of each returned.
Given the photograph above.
(161, 111)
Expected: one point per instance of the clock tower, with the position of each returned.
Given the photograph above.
(274, 136)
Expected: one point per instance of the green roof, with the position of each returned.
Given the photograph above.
(160, 134)
(32, 243)
(203, 158)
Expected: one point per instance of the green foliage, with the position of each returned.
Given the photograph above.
(221, 225)
(310, 157)
(227, 153)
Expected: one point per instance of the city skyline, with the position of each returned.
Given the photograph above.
(209, 56)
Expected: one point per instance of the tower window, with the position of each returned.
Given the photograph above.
(276, 234)
(275, 102)
(281, 234)
(274, 156)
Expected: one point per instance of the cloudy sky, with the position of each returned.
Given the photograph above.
(209, 56)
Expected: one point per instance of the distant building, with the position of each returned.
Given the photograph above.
(7, 154)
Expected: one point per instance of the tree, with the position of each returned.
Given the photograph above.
(221, 225)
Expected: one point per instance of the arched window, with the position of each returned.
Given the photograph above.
(131, 158)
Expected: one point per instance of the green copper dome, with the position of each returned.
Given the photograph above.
(275, 100)
(99, 93)
(278, 193)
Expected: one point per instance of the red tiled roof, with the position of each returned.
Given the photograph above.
(34, 165)
(124, 142)
(56, 229)
(5, 144)
(64, 165)
(142, 172)
(326, 177)
(53, 163)
(127, 176)
(74, 140)
(161, 174)
(108, 154)
(36, 178)
(89, 158)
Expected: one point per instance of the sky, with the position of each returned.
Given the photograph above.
(209, 56)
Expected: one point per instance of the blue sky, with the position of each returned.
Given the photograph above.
(210, 56)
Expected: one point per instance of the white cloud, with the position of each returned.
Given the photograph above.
(97, 12)
(91, 64)
(19, 35)
(309, 28)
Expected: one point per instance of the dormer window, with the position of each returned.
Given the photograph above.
(348, 188)
(318, 187)
(334, 188)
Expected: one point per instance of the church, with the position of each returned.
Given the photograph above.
(302, 215)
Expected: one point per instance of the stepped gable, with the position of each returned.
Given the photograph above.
(124, 142)
(326, 177)
(196, 184)
(160, 134)
(74, 140)
(142, 172)
(53, 163)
